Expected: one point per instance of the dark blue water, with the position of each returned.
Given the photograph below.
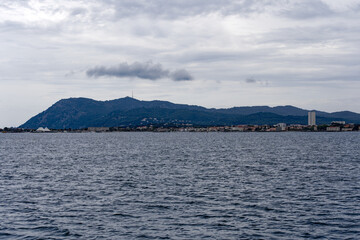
(180, 186)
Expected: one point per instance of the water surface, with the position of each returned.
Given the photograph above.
(180, 186)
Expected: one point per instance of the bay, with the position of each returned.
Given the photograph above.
(291, 185)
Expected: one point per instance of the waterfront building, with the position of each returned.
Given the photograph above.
(281, 127)
(333, 129)
(98, 129)
(237, 129)
(312, 118)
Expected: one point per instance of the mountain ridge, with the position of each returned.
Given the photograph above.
(82, 112)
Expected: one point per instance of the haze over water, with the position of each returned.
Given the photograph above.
(180, 186)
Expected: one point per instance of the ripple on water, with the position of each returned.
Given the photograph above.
(180, 186)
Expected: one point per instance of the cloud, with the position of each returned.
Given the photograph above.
(181, 75)
(78, 11)
(177, 9)
(250, 80)
(147, 70)
(258, 82)
(295, 9)
(308, 9)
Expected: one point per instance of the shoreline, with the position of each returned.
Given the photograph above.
(280, 127)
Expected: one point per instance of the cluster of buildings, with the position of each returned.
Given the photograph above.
(336, 126)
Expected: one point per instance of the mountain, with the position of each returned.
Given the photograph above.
(280, 110)
(79, 113)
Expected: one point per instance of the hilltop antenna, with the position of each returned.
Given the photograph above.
(132, 94)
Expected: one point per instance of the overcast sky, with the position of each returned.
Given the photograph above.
(205, 52)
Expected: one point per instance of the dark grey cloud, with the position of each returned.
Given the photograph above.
(181, 75)
(250, 80)
(147, 70)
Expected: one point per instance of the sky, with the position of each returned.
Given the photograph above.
(202, 52)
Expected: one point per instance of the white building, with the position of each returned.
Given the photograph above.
(312, 118)
(333, 129)
(281, 127)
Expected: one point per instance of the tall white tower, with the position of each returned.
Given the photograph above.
(312, 118)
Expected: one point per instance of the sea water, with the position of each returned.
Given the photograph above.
(180, 186)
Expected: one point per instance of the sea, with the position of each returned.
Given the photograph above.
(132, 185)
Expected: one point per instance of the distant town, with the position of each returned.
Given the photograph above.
(335, 126)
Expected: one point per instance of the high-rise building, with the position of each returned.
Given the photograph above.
(312, 118)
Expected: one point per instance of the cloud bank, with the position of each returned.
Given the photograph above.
(147, 70)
